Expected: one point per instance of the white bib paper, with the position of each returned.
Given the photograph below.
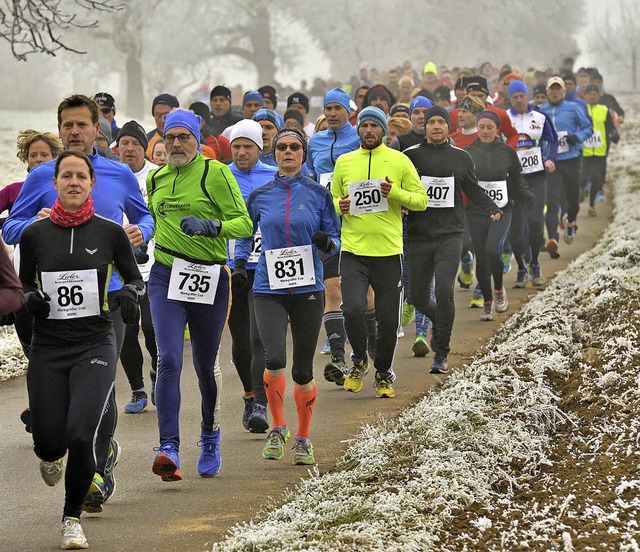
(255, 252)
(440, 189)
(530, 160)
(366, 197)
(192, 282)
(563, 145)
(594, 141)
(74, 293)
(497, 191)
(325, 180)
(290, 267)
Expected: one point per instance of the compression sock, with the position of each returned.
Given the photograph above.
(275, 389)
(304, 405)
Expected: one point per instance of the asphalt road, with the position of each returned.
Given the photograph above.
(147, 514)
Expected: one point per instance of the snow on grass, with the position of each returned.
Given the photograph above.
(12, 360)
(445, 474)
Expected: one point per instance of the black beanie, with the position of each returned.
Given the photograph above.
(437, 110)
(220, 90)
(135, 130)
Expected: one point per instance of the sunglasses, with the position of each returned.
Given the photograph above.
(171, 138)
(105, 110)
(292, 147)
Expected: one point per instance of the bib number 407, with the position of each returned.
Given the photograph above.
(439, 193)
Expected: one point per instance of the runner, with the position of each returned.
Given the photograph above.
(296, 218)
(66, 263)
(196, 204)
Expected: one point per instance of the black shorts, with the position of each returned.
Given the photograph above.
(330, 265)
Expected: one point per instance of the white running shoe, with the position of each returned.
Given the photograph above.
(72, 534)
(51, 472)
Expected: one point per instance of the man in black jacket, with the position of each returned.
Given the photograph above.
(221, 114)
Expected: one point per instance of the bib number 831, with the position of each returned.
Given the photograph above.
(198, 282)
(289, 268)
(70, 296)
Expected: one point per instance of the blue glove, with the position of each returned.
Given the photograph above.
(193, 226)
(37, 303)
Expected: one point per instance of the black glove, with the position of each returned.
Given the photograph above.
(127, 299)
(323, 242)
(7, 319)
(572, 139)
(615, 136)
(141, 255)
(37, 303)
(239, 276)
(193, 226)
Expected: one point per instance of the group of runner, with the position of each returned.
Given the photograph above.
(328, 224)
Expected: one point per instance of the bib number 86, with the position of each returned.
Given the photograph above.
(289, 268)
(70, 296)
(198, 282)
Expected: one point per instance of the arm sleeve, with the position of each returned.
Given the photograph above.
(235, 219)
(410, 192)
(329, 223)
(136, 209)
(28, 274)
(549, 141)
(25, 210)
(10, 288)
(585, 127)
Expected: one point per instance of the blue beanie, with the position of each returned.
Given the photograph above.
(337, 95)
(186, 119)
(419, 101)
(252, 96)
(374, 114)
(517, 86)
(269, 115)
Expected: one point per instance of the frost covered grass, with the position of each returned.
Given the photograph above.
(12, 361)
(532, 445)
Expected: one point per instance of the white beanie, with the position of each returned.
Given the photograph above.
(247, 128)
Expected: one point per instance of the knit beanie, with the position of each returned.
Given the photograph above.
(247, 128)
(294, 114)
(379, 91)
(268, 91)
(374, 114)
(399, 108)
(298, 98)
(337, 95)
(419, 101)
(477, 82)
(517, 86)
(430, 67)
(202, 109)
(165, 99)
(296, 134)
(135, 130)
(492, 115)
(220, 90)
(186, 119)
(269, 115)
(252, 96)
(470, 106)
(437, 110)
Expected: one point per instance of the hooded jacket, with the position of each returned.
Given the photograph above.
(327, 145)
(569, 119)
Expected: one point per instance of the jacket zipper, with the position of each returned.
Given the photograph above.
(369, 169)
(71, 243)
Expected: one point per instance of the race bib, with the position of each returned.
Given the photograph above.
(497, 191)
(366, 197)
(440, 190)
(594, 141)
(290, 267)
(255, 252)
(563, 145)
(74, 293)
(530, 160)
(192, 282)
(325, 180)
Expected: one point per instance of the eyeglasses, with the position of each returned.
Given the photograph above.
(105, 110)
(292, 147)
(171, 138)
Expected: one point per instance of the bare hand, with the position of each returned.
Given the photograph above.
(496, 217)
(135, 235)
(44, 213)
(550, 166)
(345, 204)
(385, 187)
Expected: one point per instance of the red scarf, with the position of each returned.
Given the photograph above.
(60, 216)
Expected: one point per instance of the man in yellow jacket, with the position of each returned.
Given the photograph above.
(371, 186)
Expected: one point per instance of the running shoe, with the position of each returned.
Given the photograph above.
(570, 232)
(601, 197)
(420, 347)
(502, 303)
(303, 452)
(537, 279)
(506, 261)
(465, 277)
(276, 441)
(552, 248)
(440, 365)
(137, 404)
(477, 300)
(115, 450)
(25, 418)
(336, 370)
(521, 279)
(248, 410)
(166, 463)
(593, 212)
(52, 472)
(326, 348)
(258, 421)
(400, 333)
(95, 497)
(383, 387)
(487, 311)
(408, 313)
(209, 462)
(72, 534)
(353, 382)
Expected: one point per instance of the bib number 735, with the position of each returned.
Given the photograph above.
(192, 282)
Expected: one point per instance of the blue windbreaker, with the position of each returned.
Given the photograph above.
(568, 119)
(327, 145)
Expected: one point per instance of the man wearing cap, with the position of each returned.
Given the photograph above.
(108, 110)
(325, 148)
(251, 102)
(370, 187)
(132, 143)
(269, 96)
(435, 237)
(380, 96)
(537, 150)
(299, 101)
(247, 350)
(161, 106)
(221, 114)
(573, 127)
(417, 108)
(196, 204)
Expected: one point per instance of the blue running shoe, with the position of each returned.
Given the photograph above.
(115, 450)
(166, 463)
(248, 409)
(477, 300)
(326, 348)
(137, 404)
(209, 462)
(440, 364)
(258, 421)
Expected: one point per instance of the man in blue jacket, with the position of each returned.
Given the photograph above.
(115, 194)
(573, 127)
